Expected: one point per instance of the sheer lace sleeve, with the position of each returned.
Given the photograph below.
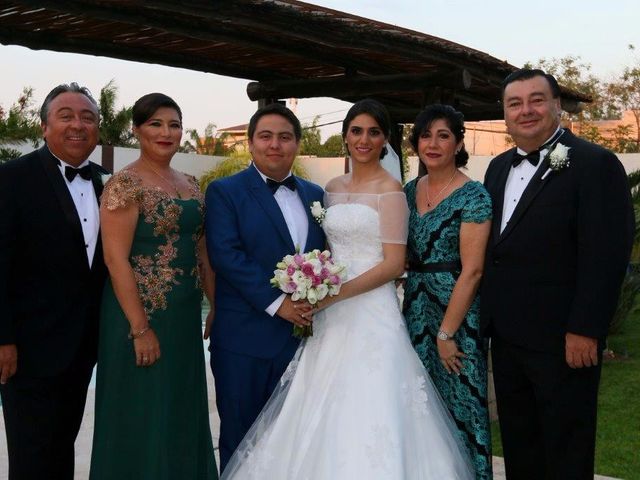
(124, 188)
(394, 217)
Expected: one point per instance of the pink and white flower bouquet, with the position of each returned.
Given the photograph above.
(308, 276)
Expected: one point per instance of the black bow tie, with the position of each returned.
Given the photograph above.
(532, 157)
(288, 182)
(84, 172)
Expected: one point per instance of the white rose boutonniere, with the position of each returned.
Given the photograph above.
(558, 159)
(318, 212)
(104, 178)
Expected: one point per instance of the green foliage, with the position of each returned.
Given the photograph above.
(21, 123)
(115, 126)
(590, 132)
(236, 162)
(628, 293)
(207, 144)
(7, 154)
(310, 141)
(624, 94)
(618, 436)
(333, 146)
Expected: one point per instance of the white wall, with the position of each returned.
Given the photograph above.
(321, 170)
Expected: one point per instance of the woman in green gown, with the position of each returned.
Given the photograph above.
(449, 225)
(152, 416)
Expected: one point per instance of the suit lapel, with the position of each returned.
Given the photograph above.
(498, 196)
(96, 179)
(264, 198)
(535, 186)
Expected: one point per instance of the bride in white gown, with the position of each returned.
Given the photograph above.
(355, 401)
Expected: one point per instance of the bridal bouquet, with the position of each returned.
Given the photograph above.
(308, 276)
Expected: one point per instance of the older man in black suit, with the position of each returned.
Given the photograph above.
(51, 279)
(560, 244)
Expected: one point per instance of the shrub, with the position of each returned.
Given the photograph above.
(237, 162)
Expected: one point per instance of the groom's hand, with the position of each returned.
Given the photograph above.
(8, 362)
(293, 311)
(581, 351)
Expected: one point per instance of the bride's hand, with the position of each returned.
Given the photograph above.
(450, 355)
(294, 312)
(316, 307)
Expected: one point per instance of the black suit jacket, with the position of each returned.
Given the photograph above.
(558, 265)
(49, 297)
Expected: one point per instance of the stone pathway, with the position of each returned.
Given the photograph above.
(83, 443)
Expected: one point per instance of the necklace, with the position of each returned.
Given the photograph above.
(168, 182)
(429, 201)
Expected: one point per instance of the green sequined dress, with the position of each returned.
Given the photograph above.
(435, 238)
(153, 422)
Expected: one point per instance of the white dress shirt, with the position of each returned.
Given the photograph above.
(295, 216)
(86, 202)
(517, 181)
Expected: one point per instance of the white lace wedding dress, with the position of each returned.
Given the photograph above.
(355, 402)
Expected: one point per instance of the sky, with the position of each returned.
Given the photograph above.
(515, 31)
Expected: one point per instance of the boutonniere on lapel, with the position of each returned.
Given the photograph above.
(558, 159)
(318, 212)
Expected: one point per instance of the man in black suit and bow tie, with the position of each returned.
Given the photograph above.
(51, 278)
(560, 244)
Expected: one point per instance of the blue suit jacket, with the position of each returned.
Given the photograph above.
(246, 236)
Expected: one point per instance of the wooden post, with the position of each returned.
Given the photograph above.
(107, 157)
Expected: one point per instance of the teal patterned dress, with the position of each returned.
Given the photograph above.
(435, 238)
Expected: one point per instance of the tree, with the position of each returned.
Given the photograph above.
(625, 94)
(209, 144)
(115, 126)
(19, 125)
(310, 142)
(22, 122)
(334, 146)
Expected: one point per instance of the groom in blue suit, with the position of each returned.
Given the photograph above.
(254, 219)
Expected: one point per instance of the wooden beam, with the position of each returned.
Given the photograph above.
(51, 41)
(273, 20)
(358, 86)
(192, 24)
(471, 114)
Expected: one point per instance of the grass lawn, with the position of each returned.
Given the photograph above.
(618, 438)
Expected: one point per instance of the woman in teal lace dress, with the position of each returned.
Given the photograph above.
(448, 230)
(152, 416)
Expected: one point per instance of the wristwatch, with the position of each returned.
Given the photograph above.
(442, 335)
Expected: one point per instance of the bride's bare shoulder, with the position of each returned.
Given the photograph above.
(337, 184)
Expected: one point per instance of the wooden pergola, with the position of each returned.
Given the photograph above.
(288, 48)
